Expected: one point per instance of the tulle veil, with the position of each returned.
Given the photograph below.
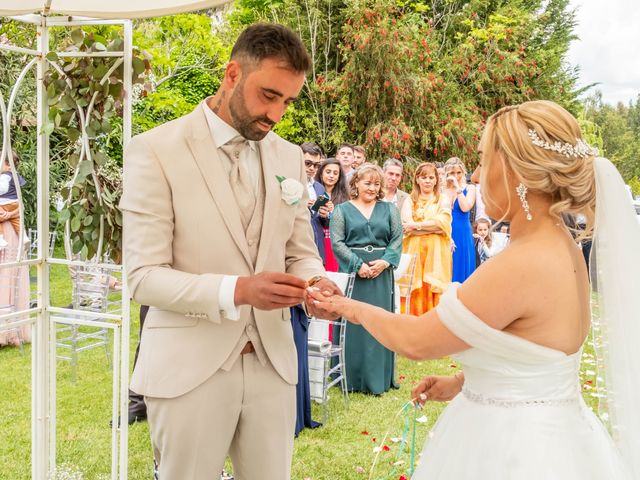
(615, 274)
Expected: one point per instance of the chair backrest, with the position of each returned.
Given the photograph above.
(344, 281)
(33, 242)
(90, 288)
(403, 276)
(405, 263)
(319, 327)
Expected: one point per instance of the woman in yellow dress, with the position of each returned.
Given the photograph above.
(426, 222)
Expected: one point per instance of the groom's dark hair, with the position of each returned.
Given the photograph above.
(269, 40)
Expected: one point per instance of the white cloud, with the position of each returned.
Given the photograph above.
(608, 50)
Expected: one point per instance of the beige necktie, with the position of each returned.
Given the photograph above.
(239, 179)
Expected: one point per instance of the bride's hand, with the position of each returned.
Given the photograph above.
(437, 388)
(336, 305)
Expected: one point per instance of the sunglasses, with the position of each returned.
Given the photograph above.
(309, 163)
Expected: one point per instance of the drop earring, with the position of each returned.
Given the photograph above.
(521, 190)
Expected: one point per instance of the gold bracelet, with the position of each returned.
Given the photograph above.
(313, 280)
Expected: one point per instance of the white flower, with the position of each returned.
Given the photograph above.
(291, 190)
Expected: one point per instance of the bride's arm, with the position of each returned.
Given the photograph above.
(426, 337)
(416, 338)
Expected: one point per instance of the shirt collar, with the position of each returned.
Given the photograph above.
(220, 130)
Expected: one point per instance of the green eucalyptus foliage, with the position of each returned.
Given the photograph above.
(85, 94)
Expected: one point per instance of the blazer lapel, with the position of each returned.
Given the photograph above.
(272, 201)
(205, 153)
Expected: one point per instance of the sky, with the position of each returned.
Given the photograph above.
(608, 50)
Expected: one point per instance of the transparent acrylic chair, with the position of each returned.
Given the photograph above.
(326, 359)
(90, 293)
(33, 242)
(403, 279)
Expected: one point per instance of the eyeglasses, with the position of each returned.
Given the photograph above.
(309, 163)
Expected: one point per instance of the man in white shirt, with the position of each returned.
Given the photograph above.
(344, 154)
(359, 156)
(217, 242)
(393, 171)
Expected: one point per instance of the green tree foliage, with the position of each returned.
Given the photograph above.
(619, 130)
(188, 64)
(432, 75)
(419, 77)
(320, 115)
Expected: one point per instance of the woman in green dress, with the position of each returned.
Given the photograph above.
(366, 235)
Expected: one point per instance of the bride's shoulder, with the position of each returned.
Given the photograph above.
(506, 287)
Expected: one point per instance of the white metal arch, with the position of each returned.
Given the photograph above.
(42, 14)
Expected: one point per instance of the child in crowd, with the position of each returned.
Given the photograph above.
(482, 239)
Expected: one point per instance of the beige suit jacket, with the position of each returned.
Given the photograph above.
(402, 196)
(183, 232)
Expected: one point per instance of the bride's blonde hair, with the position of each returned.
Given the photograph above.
(569, 180)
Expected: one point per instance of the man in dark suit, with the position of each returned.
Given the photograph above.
(299, 321)
(319, 219)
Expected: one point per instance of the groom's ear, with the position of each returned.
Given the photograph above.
(232, 74)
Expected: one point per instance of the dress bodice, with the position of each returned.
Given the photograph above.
(456, 211)
(520, 414)
(503, 369)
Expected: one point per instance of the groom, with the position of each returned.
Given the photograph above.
(220, 250)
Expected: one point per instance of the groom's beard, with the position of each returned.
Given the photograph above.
(245, 124)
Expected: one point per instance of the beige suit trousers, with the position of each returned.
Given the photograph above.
(248, 411)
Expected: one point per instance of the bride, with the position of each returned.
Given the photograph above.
(519, 322)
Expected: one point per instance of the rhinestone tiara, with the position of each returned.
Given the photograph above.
(580, 149)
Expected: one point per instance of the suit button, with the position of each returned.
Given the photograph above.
(251, 243)
(250, 328)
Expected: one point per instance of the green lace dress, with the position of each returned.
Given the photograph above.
(369, 365)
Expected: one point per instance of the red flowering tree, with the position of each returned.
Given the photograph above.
(420, 80)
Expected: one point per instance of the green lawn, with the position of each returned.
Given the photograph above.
(339, 450)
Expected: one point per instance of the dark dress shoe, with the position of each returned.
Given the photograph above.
(133, 418)
(137, 417)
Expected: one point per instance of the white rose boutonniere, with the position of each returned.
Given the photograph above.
(291, 190)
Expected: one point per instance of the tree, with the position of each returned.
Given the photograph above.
(619, 128)
(188, 64)
(419, 77)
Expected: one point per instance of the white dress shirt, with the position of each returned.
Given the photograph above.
(312, 191)
(222, 132)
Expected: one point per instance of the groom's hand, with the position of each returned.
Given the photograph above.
(327, 288)
(270, 290)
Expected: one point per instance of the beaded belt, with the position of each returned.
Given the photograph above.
(498, 402)
(368, 248)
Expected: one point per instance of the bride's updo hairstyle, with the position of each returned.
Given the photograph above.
(542, 147)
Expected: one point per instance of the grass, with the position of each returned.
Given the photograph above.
(338, 450)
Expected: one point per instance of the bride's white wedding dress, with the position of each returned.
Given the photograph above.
(520, 414)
